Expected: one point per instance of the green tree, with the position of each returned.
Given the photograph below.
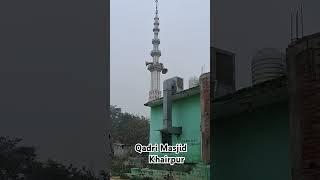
(19, 163)
(14, 159)
(128, 128)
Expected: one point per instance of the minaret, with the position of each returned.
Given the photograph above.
(155, 67)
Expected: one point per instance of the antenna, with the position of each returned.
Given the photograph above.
(299, 17)
(297, 24)
(301, 9)
(291, 28)
(156, 6)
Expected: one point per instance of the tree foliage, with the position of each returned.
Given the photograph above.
(129, 128)
(19, 163)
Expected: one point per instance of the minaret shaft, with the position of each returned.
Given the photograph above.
(155, 67)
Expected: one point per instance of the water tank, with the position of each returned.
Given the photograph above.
(193, 82)
(267, 64)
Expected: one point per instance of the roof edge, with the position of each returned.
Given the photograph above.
(179, 95)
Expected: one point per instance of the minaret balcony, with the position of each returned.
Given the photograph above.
(155, 41)
(155, 67)
(156, 30)
(155, 53)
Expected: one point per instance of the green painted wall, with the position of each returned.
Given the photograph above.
(185, 113)
(252, 146)
(199, 172)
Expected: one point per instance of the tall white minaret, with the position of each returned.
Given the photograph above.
(155, 67)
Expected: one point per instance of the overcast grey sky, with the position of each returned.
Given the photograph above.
(185, 42)
(248, 25)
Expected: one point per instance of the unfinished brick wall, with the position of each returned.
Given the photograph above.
(304, 89)
(205, 116)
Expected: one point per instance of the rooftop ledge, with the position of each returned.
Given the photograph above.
(268, 92)
(179, 95)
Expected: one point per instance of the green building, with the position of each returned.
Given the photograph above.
(186, 114)
(185, 118)
(188, 117)
(250, 133)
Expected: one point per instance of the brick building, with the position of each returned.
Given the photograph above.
(303, 59)
(271, 130)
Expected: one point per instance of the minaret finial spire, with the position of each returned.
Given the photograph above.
(156, 7)
(155, 67)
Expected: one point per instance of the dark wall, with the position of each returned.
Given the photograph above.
(252, 145)
(54, 77)
(223, 69)
(303, 60)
